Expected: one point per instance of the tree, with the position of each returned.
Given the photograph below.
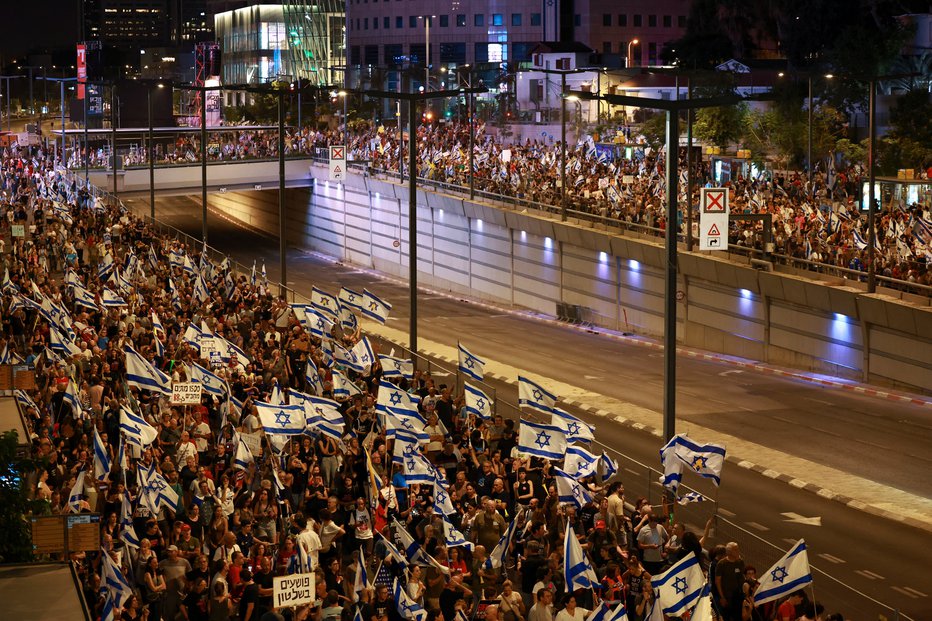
(907, 145)
(720, 126)
(15, 535)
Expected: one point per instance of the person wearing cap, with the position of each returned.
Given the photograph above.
(174, 569)
(601, 539)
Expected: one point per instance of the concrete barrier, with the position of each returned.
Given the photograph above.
(533, 262)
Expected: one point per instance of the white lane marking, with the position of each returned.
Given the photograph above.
(918, 593)
(820, 401)
(832, 559)
(869, 574)
(731, 372)
(757, 526)
(796, 518)
(904, 592)
(726, 512)
(634, 472)
(791, 541)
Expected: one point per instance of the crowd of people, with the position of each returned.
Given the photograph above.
(201, 516)
(820, 224)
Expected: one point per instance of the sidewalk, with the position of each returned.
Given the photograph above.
(855, 492)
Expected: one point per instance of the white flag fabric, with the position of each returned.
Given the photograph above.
(418, 469)
(361, 581)
(470, 365)
(679, 587)
(609, 612)
(101, 458)
(281, 419)
(496, 557)
(580, 463)
(135, 428)
(570, 491)
(414, 551)
(706, 460)
(154, 491)
(374, 307)
(395, 368)
(671, 465)
(325, 416)
(143, 375)
(342, 387)
(407, 607)
(312, 377)
(442, 503)
(364, 355)
(703, 609)
(452, 537)
(534, 396)
(71, 397)
(577, 570)
(325, 303)
(609, 467)
(789, 574)
(393, 398)
(127, 530)
(157, 326)
(77, 494)
(210, 383)
(405, 444)
(541, 440)
(110, 299)
(112, 578)
(319, 323)
(477, 402)
(576, 430)
(352, 299)
(243, 456)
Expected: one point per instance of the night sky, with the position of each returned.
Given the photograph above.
(38, 24)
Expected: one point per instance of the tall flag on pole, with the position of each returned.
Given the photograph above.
(576, 430)
(580, 463)
(395, 368)
(281, 419)
(135, 428)
(470, 365)
(577, 570)
(570, 490)
(127, 530)
(101, 458)
(407, 607)
(142, 374)
(706, 460)
(375, 481)
(534, 396)
(788, 574)
(477, 402)
(243, 456)
(77, 493)
(679, 587)
(362, 576)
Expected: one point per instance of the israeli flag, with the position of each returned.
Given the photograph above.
(418, 469)
(76, 494)
(8, 284)
(318, 323)
(229, 351)
(140, 373)
(176, 299)
(788, 574)
(110, 299)
(281, 419)
(107, 612)
(690, 497)
(348, 319)
(61, 344)
(324, 415)
(127, 530)
(176, 257)
(452, 537)
(5, 356)
(679, 587)
(361, 582)
(609, 467)
(352, 299)
(672, 466)
(243, 456)
(210, 383)
(703, 609)
(346, 358)
(496, 558)
(25, 402)
(342, 387)
(477, 402)
(200, 289)
(114, 581)
(155, 492)
(579, 463)
(277, 397)
(413, 550)
(325, 303)
(577, 570)
(135, 428)
(541, 440)
(313, 378)
(407, 607)
(364, 355)
(157, 326)
(469, 364)
(153, 257)
(706, 460)
(252, 274)
(534, 396)
(393, 398)
(105, 267)
(83, 297)
(375, 308)
(101, 458)
(570, 491)
(406, 443)
(393, 368)
(71, 397)
(442, 503)
(576, 430)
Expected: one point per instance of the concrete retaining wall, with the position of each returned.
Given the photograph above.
(526, 261)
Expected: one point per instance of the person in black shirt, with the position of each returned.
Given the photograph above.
(454, 591)
(381, 607)
(194, 605)
(249, 601)
(264, 580)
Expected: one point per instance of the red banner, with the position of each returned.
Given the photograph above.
(82, 69)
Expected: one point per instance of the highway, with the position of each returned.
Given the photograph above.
(872, 439)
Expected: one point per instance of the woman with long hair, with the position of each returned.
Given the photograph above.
(155, 588)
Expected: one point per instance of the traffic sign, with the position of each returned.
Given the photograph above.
(713, 219)
(337, 162)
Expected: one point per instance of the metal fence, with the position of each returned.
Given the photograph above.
(641, 480)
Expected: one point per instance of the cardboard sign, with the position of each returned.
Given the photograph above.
(18, 230)
(293, 590)
(186, 393)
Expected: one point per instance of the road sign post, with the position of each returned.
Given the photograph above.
(337, 162)
(713, 219)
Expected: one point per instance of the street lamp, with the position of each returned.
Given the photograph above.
(628, 54)
(427, 19)
(151, 152)
(61, 83)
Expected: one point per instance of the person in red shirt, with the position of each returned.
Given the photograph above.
(787, 610)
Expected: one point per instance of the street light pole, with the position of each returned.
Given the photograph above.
(412, 223)
(113, 133)
(151, 154)
(628, 59)
(563, 147)
(282, 245)
(809, 150)
(689, 167)
(204, 165)
(871, 151)
(669, 324)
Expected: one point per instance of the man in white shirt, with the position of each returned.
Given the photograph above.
(308, 539)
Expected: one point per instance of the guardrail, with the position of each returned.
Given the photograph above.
(640, 479)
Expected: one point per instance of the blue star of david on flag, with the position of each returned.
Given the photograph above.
(542, 440)
(282, 418)
(538, 395)
(480, 403)
(779, 574)
(699, 463)
(411, 463)
(572, 429)
(441, 498)
(395, 398)
(680, 585)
